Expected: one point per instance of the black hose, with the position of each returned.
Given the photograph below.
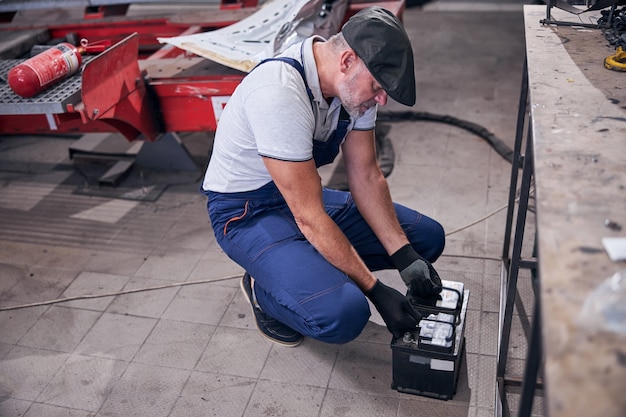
(386, 153)
(496, 143)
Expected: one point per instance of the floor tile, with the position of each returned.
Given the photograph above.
(441, 409)
(15, 323)
(12, 407)
(5, 348)
(214, 264)
(26, 371)
(236, 352)
(270, 399)
(239, 313)
(145, 303)
(175, 344)
(108, 212)
(185, 233)
(37, 284)
(115, 260)
(11, 274)
(471, 362)
(129, 335)
(60, 328)
(486, 382)
(350, 404)
(309, 364)
(204, 303)
(93, 283)
(170, 264)
(83, 383)
(362, 367)
(25, 195)
(214, 395)
(145, 390)
(46, 410)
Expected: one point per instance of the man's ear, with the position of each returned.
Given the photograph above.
(347, 59)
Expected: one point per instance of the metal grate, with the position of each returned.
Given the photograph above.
(51, 101)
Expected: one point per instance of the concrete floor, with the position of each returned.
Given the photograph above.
(193, 350)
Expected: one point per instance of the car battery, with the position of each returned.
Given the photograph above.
(427, 361)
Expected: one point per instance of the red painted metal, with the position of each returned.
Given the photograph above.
(114, 97)
(118, 97)
(147, 30)
(62, 123)
(99, 27)
(237, 4)
(98, 12)
(114, 92)
(189, 104)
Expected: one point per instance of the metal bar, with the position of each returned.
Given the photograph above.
(516, 256)
(503, 336)
(528, 264)
(563, 23)
(533, 362)
(517, 381)
(519, 131)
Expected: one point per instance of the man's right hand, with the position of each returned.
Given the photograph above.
(395, 309)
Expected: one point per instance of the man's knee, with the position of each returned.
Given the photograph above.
(345, 316)
(438, 241)
(429, 240)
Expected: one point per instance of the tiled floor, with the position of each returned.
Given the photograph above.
(191, 349)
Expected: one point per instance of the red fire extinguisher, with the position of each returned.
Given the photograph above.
(40, 72)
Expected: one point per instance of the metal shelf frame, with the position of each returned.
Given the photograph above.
(513, 262)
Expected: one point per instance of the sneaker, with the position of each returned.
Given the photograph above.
(269, 327)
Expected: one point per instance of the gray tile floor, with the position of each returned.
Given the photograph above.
(191, 349)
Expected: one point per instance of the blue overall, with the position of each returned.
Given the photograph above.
(293, 282)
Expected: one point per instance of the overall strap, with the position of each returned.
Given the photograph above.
(343, 115)
(297, 65)
(324, 152)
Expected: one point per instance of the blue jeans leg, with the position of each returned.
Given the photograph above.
(425, 234)
(293, 282)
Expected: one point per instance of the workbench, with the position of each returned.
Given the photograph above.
(577, 142)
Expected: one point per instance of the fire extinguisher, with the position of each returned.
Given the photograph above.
(40, 72)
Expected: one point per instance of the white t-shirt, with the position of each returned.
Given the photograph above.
(270, 114)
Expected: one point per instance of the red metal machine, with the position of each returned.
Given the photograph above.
(136, 87)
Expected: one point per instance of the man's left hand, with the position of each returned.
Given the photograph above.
(423, 280)
(417, 273)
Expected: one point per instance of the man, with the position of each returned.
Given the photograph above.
(309, 252)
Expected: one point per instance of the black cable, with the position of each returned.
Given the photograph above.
(496, 143)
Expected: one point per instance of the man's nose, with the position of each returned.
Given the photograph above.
(381, 98)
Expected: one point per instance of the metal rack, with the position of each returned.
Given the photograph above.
(512, 263)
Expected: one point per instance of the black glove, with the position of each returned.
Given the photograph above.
(417, 273)
(394, 308)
